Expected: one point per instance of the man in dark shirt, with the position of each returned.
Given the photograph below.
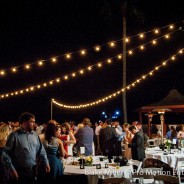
(108, 139)
(137, 144)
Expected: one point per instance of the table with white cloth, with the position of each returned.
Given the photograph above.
(93, 173)
(170, 159)
(155, 141)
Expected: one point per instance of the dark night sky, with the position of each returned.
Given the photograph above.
(35, 30)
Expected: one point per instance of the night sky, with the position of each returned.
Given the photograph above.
(39, 30)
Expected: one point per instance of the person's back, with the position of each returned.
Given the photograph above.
(108, 139)
(84, 137)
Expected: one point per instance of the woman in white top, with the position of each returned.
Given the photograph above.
(127, 140)
(181, 133)
(180, 136)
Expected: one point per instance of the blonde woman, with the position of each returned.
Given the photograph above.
(80, 125)
(4, 132)
(127, 140)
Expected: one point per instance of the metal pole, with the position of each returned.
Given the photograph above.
(51, 108)
(124, 64)
(162, 126)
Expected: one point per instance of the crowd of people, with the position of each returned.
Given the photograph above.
(30, 152)
(175, 135)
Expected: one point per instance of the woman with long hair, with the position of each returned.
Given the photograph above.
(4, 132)
(55, 150)
(68, 138)
(127, 140)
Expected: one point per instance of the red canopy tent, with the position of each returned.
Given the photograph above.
(173, 101)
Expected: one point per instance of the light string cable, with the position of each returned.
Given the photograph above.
(83, 52)
(128, 87)
(66, 77)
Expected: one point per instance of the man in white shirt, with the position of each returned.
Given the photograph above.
(97, 133)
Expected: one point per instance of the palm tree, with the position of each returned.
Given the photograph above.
(126, 8)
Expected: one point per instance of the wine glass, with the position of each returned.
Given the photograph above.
(130, 177)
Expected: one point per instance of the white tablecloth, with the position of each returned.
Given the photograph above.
(93, 173)
(171, 159)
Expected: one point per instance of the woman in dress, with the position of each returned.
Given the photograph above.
(55, 151)
(127, 140)
(68, 138)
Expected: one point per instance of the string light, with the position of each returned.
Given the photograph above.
(141, 35)
(127, 40)
(68, 56)
(83, 52)
(40, 63)
(156, 31)
(27, 67)
(142, 47)
(96, 48)
(113, 95)
(54, 60)
(112, 44)
(51, 82)
(2, 72)
(167, 36)
(14, 70)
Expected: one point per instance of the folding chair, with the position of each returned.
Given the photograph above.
(111, 180)
(155, 163)
(180, 172)
(166, 179)
(138, 165)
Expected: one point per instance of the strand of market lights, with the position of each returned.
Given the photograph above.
(82, 52)
(74, 74)
(113, 95)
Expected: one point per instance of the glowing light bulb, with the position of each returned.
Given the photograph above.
(154, 42)
(141, 35)
(40, 63)
(119, 56)
(130, 52)
(27, 67)
(167, 36)
(83, 52)
(81, 71)
(68, 56)
(142, 47)
(89, 68)
(54, 60)
(156, 31)
(127, 40)
(112, 44)
(99, 65)
(13, 70)
(171, 27)
(2, 72)
(97, 48)
(109, 61)
(73, 74)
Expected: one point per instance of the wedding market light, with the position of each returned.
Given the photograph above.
(113, 95)
(83, 52)
(66, 77)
